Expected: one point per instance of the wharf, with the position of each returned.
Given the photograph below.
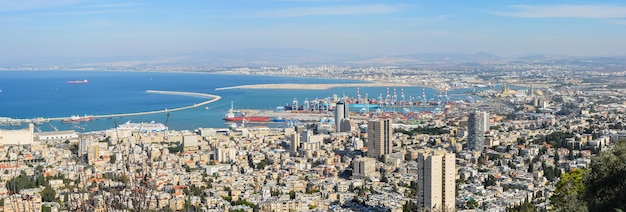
(290, 115)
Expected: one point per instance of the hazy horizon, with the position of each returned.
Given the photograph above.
(87, 29)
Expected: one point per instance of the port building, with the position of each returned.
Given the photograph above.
(24, 136)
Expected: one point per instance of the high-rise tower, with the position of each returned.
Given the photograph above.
(379, 138)
(341, 113)
(436, 181)
(477, 125)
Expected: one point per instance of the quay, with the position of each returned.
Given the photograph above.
(214, 98)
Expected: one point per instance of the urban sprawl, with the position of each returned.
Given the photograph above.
(504, 149)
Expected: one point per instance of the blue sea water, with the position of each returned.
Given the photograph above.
(30, 94)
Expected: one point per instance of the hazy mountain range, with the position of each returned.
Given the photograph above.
(282, 57)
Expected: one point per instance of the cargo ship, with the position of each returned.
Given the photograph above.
(235, 116)
(78, 81)
(77, 119)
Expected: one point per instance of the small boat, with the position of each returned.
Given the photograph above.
(279, 119)
(78, 81)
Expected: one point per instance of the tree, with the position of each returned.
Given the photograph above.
(549, 173)
(569, 192)
(511, 165)
(292, 194)
(409, 206)
(20, 182)
(472, 204)
(262, 164)
(490, 181)
(275, 192)
(113, 158)
(524, 207)
(556, 158)
(606, 181)
(48, 194)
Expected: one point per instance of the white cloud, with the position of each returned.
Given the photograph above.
(565, 11)
(334, 10)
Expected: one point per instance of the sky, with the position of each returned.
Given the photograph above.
(40, 29)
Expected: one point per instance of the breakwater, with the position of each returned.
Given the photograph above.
(213, 98)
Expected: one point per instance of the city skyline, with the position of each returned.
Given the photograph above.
(83, 30)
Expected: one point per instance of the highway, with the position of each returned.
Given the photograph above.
(214, 98)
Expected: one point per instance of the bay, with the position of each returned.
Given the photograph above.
(31, 94)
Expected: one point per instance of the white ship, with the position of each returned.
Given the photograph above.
(143, 127)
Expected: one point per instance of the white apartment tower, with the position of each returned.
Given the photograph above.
(436, 181)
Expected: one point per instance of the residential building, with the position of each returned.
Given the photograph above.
(379, 140)
(363, 167)
(436, 181)
(477, 125)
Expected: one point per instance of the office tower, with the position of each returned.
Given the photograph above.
(363, 167)
(346, 125)
(379, 138)
(477, 125)
(436, 181)
(341, 113)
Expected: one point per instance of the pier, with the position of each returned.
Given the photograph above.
(213, 98)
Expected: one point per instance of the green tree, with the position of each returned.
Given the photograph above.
(556, 158)
(113, 158)
(568, 195)
(292, 194)
(262, 164)
(548, 172)
(606, 181)
(48, 194)
(409, 206)
(490, 181)
(472, 204)
(524, 207)
(20, 182)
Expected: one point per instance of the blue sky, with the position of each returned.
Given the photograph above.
(93, 28)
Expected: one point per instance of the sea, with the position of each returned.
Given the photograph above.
(32, 94)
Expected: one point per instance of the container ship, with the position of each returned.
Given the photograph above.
(78, 81)
(77, 119)
(235, 116)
